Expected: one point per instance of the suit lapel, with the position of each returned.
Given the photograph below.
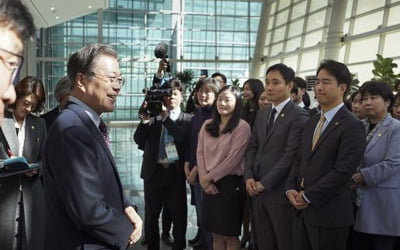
(333, 124)
(281, 117)
(93, 130)
(378, 134)
(264, 122)
(10, 134)
(30, 135)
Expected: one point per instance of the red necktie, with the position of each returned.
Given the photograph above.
(104, 132)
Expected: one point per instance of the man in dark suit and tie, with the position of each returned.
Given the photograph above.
(270, 154)
(332, 146)
(86, 204)
(162, 139)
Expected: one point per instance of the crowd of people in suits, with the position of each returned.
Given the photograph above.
(259, 161)
(266, 164)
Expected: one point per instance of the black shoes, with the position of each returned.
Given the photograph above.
(195, 239)
(167, 239)
(198, 245)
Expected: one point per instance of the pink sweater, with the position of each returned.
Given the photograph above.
(223, 155)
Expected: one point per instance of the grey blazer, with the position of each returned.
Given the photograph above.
(270, 157)
(380, 167)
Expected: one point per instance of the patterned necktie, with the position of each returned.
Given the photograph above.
(318, 130)
(271, 120)
(104, 132)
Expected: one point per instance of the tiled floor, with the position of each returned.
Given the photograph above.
(129, 159)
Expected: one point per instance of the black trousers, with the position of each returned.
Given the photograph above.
(363, 241)
(166, 189)
(312, 237)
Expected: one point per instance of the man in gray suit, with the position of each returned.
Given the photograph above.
(271, 152)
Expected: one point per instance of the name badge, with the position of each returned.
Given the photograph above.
(172, 154)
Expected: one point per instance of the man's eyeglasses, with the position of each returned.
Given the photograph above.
(112, 79)
(13, 65)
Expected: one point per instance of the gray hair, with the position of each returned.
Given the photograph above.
(83, 61)
(63, 88)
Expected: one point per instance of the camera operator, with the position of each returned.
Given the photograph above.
(162, 138)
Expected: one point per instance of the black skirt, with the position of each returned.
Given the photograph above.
(223, 213)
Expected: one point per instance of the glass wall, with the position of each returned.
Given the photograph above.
(209, 34)
(298, 29)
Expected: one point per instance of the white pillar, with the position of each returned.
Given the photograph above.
(335, 29)
(258, 63)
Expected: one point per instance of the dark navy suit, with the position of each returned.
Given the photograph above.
(82, 187)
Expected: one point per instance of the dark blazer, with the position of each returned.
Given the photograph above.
(147, 136)
(83, 191)
(327, 170)
(270, 157)
(51, 116)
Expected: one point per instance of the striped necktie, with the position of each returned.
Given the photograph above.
(104, 132)
(318, 130)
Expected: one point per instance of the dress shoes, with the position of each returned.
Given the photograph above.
(198, 245)
(166, 238)
(195, 239)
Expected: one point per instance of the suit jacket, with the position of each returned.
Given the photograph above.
(147, 136)
(9, 193)
(35, 134)
(380, 202)
(83, 191)
(327, 170)
(32, 189)
(51, 116)
(270, 157)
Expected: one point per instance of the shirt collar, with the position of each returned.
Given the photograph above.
(331, 113)
(94, 117)
(174, 113)
(281, 105)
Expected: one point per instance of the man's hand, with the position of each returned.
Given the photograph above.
(192, 177)
(259, 187)
(162, 66)
(358, 178)
(186, 168)
(251, 187)
(296, 199)
(164, 112)
(137, 224)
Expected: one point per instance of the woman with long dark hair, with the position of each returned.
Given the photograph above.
(252, 89)
(220, 163)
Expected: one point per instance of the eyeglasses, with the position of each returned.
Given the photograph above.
(112, 79)
(13, 65)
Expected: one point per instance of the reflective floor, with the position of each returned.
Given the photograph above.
(129, 159)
